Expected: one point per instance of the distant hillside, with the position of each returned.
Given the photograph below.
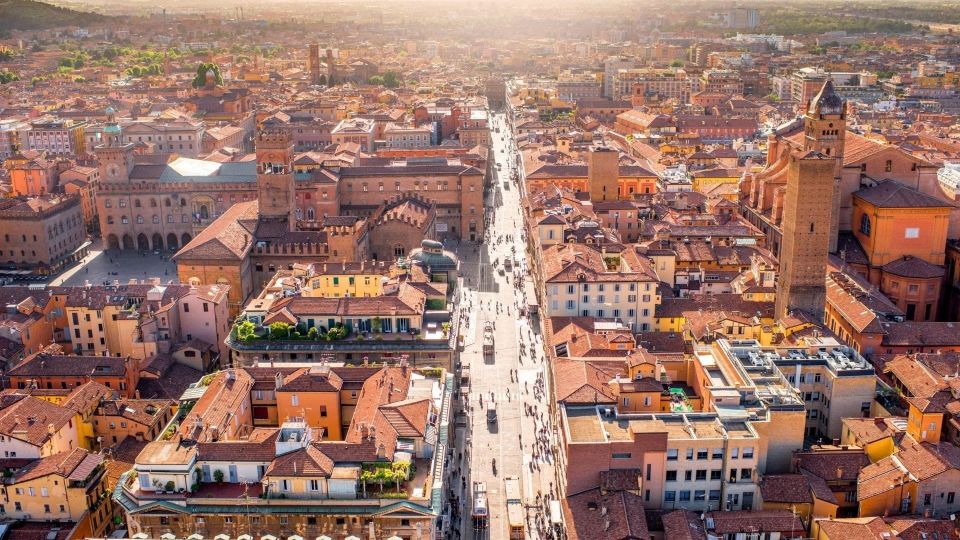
(30, 15)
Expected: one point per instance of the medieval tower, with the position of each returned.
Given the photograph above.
(811, 207)
(276, 188)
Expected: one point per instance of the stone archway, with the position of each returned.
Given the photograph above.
(128, 242)
(113, 242)
(143, 244)
(184, 239)
(157, 241)
(172, 242)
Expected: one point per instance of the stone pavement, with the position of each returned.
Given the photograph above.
(115, 265)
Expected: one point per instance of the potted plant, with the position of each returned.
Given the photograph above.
(218, 476)
(169, 487)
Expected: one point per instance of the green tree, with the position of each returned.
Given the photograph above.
(676, 63)
(245, 330)
(279, 330)
(200, 80)
(377, 80)
(8, 76)
(391, 79)
(5, 55)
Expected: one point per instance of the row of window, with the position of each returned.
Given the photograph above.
(441, 186)
(673, 454)
(698, 495)
(18, 508)
(715, 474)
(601, 287)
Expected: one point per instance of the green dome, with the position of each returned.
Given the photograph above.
(112, 128)
(431, 253)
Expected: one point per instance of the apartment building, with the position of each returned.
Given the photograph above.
(590, 281)
(69, 486)
(50, 370)
(216, 475)
(337, 325)
(165, 136)
(43, 234)
(695, 461)
(141, 320)
(834, 381)
(474, 128)
(55, 136)
(721, 81)
(725, 423)
(10, 129)
(638, 85)
(334, 280)
(709, 463)
(139, 419)
(611, 67)
(402, 136)
(33, 428)
(355, 130)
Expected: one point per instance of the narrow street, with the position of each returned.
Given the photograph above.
(518, 442)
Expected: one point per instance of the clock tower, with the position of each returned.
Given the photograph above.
(115, 157)
(276, 187)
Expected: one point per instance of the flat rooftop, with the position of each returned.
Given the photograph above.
(593, 424)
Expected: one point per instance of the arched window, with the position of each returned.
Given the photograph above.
(139, 219)
(153, 203)
(136, 203)
(865, 225)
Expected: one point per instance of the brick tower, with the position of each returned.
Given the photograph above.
(603, 173)
(314, 61)
(824, 130)
(810, 207)
(276, 188)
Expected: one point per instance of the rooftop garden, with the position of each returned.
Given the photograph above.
(386, 480)
(247, 331)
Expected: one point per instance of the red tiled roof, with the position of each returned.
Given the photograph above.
(893, 194)
(785, 488)
(307, 461)
(623, 519)
(767, 521)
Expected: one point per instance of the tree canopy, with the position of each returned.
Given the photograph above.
(200, 80)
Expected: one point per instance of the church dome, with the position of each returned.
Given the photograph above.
(431, 253)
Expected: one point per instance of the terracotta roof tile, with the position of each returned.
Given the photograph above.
(893, 194)
(624, 517)
(785, 488)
